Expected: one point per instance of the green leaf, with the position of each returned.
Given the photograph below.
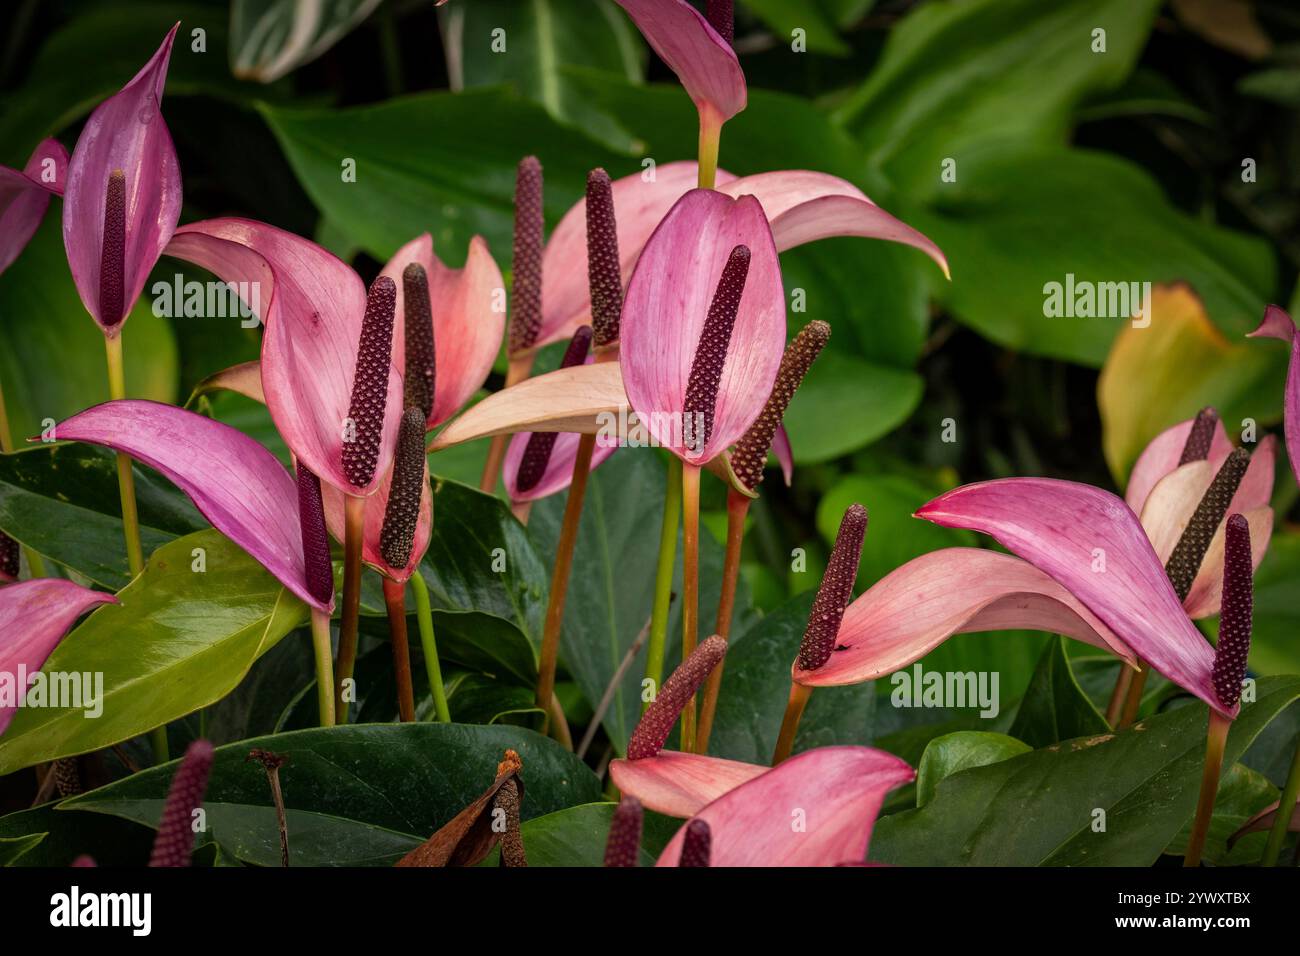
(63, 502)
(477, 640)
(756, 685)
(11, 848)
(784, 16)
(1273, 645)
(1038, 808)
(62, 837)
(953, 753)
(1242, 793)
(52, 361)
(846, 403)
(572, 837)
(1278, 85)
(179, 640)
(408, 779)
(955, 76)
(271, 39)
(1055, 708)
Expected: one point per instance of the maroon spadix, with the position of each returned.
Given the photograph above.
(603, 274)
(721, 15)
(835, 592)
(1185, 560)
(711, 352)
(370, 386)
(623, 845)
(537, 453)
(397, 535)
(315, 538)
(1233, 647)
(696, 845)
(658, 720)
(526, 290)
(1200, 437)
(421, 369)
(175, 840)
(112, 257)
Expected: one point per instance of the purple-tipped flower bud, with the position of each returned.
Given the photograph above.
(315, 539)
(526, 291)
(750, 454)
(696, 845)
(112, 255)
(1235, 614)
(175, 840)
(721, 15)
(658, 719)
(1200, 437)
(835, 592)
(370, 385)
(603, 275)
(417, 311)
(711, 352)
(397, 534)
(623, 845)
(1185, 560)
(537, 453)
(8, 556)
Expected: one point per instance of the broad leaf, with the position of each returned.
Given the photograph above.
(271, 39)
(953, 753)
(1055, 708)
(572, 837)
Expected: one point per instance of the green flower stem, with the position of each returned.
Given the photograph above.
(1285, 808)
(690, 586)
(1215, 739)
(320, 644)
(425, 619)
(34, 561)
(125, 479)
(654, 660)
(354, 520)
(710, 136)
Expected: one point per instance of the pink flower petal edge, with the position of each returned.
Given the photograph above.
(25, 195)
(784, 453)
(679, 784)
(559, 467)
(34, 616)
(238, 485)
(126, 132)
(838, 789)
(916, 607)
(1161, 456)
(1090, 542)
(1278, 325)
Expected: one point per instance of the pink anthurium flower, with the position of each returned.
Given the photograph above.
(25, 195)
(123, 195)
(34, 616)
(840, 789)
(1278, 325)
(235, 482)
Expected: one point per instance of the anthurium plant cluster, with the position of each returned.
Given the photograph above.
(457, 568)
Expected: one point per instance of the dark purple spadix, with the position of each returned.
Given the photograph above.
(1233, 648)
(721, 15)
(835, 591)
(696, 845)
(623, 845)
(8, 556)
(1201, 436)
(175, 840)
(658, 719)
(711, 352)
(603, 275)
(750, 454)
(537, 453)
(421, 368)
(112, 255)
(1185, 560)
(402, 514)
(370, 386)
(526, 290)
(315, 539)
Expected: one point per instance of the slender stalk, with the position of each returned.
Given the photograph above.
(710, 136)
(1134, 699)
(125, 479)
(690, 585)
(1285, 810)
(1120, 694)
(611, 689)
(354, 520)
(560, 573)
(516, 372)
(1215, 739)
(799, 694)
(424, 618)
(320, 645)
(737, 510)
(559, 724)
(6, 436)
(395, 599)
(655, 650)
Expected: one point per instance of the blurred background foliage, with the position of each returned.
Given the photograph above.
(1122, 163)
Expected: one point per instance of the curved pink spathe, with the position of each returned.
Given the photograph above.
(312, 304)
(469, 320)
(1278, 325)
(816, 809)
(126, 132)
(34, 616)
(678, 784)
(237, 484)
(1161, 456)
(1090, 542)
(666, 306)
(704, 62)
(917, 607)
(25, 195)
(559, 467)
(784, 453)
(374, 525)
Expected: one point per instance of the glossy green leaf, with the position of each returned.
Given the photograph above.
(1055, 708)
(53, 838)
(271, 39)
(179, 640)
(1039, 808)
(786, 16)
(953, 753)
(572, 837)
(11, 848)
(846, 403)
(1242, 793)
(1274, 648)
